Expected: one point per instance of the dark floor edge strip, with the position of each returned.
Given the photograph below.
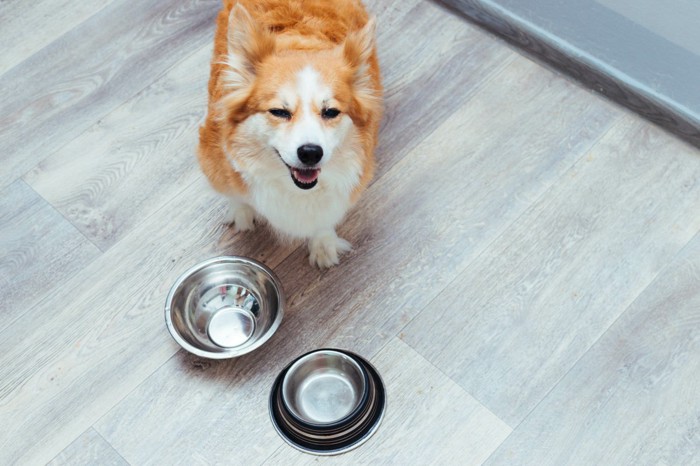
(597, 79)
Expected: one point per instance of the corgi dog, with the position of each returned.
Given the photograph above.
(295, 102)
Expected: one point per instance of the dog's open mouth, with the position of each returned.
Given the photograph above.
(305, 178)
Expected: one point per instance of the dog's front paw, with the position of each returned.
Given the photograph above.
(240, 216)
(324, 251)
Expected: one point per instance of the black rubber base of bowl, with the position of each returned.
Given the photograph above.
(344, 443)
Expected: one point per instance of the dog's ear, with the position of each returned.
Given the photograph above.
(248, 45)
(358, 51)
(359, 46)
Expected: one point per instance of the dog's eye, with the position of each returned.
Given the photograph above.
(330, 113)
(281, 113)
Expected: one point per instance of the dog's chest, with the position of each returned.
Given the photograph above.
(296, 212)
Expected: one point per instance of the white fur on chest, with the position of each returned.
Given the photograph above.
(295, 212)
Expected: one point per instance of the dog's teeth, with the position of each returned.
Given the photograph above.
(305, 176)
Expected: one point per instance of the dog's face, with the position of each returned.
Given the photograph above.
(297, 108)
(305, 109)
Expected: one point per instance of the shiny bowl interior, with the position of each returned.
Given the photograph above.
(323, 388)
(224, 307)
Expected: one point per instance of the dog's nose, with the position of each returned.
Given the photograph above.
(310, 154)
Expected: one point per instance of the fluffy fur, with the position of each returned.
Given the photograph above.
(287, 74)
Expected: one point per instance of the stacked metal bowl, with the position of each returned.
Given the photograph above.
(327, 402)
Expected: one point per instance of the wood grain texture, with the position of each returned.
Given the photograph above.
(633, 398)
(93, 340)
(67, 86)
(426, 81)
(26, 27)
(518, 318)
(39, 250)
(487, 160)
(429, 419)
(128, 164)
(359, 305)
(90, 449)
(125, 167)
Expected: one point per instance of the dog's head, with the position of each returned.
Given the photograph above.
(289, 109)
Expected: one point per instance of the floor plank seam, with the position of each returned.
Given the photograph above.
(59, 453)
(69, 221)
(272, 455)
(117, 452)
(55, 458)
(679, 253)
(77, 246)
(482, 404)
(473, 92)
(499, 446)
(126, 395)
(40, 301)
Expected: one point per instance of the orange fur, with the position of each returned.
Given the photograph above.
(316, 29)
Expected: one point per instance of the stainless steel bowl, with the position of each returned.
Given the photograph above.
(329, 439)
(324, 388)
(224, 307)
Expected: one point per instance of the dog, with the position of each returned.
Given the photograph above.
(295, 103)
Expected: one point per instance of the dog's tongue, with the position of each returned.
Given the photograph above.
(306, 176)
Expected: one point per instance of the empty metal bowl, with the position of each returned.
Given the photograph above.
(323, 388)
(224, 307)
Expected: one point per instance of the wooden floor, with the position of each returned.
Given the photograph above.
(526, 271)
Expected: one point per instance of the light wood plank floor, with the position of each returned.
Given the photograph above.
(525, 273)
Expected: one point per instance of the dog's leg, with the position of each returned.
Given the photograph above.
(325, 249)
(240, 214)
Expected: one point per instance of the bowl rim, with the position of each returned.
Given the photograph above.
(281, 299)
